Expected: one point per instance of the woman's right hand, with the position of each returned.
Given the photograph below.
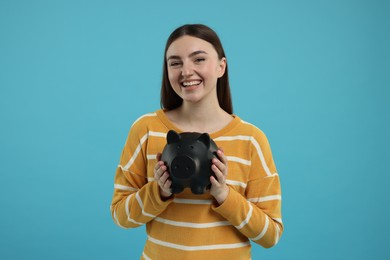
(162, 177)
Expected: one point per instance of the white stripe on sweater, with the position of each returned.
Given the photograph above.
(136, 152)
(191, 224)
(230, 182)
(117, 221)
(123, 187)
(139, 147)
(254, 143)
(145, 256)
(128, 211)
(279, 220)
(197, 248)
(266, 198)
(151, 157)
(277, 236)
(190, 201)
(239, 160)
(236, 183)
(146, 115)
(142, 206)
(157, 134)
(138, 119)
(260, 153)
(233, 138)
(263, 231)
(248, 217)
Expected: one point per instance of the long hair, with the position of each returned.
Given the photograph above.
(169, 99)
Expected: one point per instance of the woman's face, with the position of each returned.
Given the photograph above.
(194, 68)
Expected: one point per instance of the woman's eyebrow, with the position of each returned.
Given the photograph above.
(196, 53)
(191, 55)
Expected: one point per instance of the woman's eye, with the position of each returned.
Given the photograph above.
(174, 64)
(199, 60)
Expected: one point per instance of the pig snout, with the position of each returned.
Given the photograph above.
(183, 167)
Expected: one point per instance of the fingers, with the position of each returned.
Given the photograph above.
(219, 166)
(219, 188)
(218, 191)
(161, 176)
(222, 156)
(220, 169)
(164, 181)
(221, 162)
(164, 177)
(220, 176)
(214, 182)
(159, 170)
(158, 157)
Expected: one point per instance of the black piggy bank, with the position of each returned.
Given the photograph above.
(188, 159)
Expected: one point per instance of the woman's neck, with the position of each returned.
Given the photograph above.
(195, 117)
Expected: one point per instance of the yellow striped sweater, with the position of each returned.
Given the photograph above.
(190, 226)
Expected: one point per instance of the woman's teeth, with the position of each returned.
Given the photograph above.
(191, 83)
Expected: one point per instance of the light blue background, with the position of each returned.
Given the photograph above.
(74, 75)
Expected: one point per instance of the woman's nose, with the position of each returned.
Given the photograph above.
(187, 70)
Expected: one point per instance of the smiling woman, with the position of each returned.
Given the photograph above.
(193, 69)
(244, 200)
(169, 99)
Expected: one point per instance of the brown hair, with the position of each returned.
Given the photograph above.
(169, 99)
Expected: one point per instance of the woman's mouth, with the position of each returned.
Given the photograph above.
(192, 83)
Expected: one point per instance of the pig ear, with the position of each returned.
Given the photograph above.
(205, 138)
(173, 137)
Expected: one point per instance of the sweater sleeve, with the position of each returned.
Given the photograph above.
(257, 215)
(135, 201)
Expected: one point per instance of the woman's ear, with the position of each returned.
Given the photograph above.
(221, 67)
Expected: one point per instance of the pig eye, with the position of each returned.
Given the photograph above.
(191, 147)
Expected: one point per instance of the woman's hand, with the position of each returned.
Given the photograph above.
(162, 177)
(219, 190)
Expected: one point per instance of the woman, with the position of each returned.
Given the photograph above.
(244, 201)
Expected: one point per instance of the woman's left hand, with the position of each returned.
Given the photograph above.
(219, 190)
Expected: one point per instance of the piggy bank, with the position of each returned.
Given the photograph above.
(188, 159)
